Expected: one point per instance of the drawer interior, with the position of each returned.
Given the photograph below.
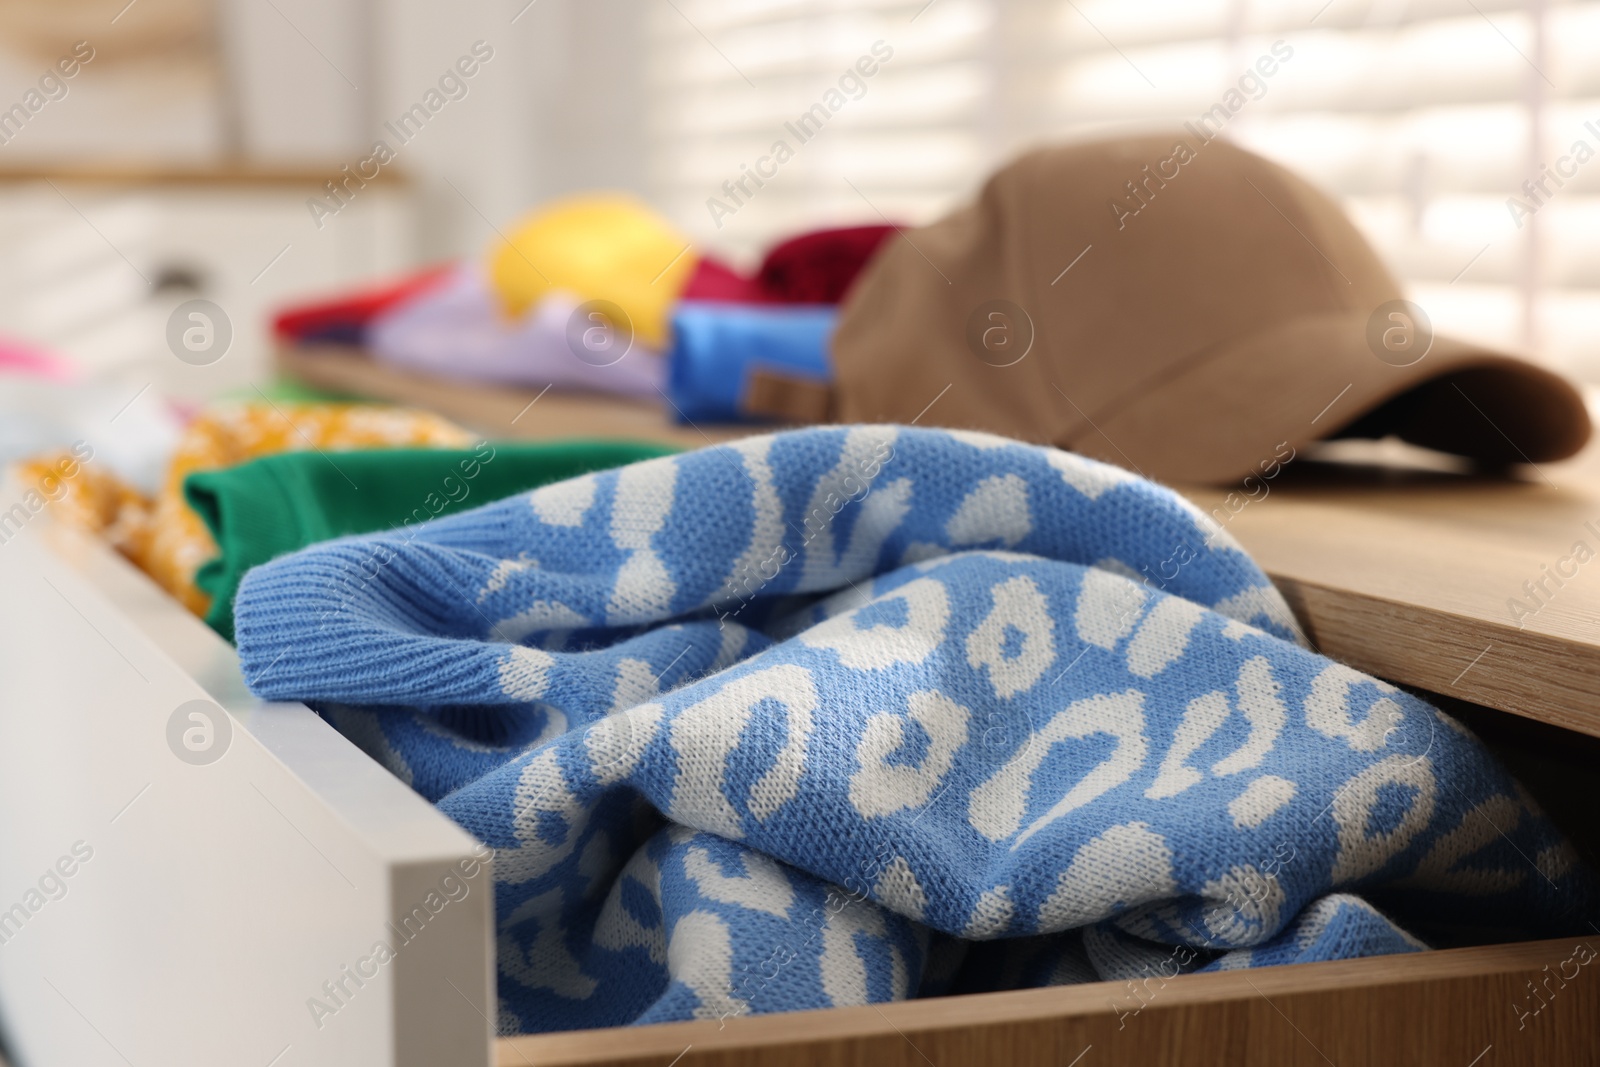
(1484, 1007)
(1497, 1003)
(1525, 1002)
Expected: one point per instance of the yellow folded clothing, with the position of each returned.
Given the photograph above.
(600, 246)
(164, 536)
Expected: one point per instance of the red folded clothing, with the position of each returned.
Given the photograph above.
(343, 319)
(714, 280)
(818, 267)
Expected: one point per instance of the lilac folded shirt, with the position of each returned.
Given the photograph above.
(457, 330)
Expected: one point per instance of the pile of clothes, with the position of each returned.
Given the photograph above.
(837, 716)
(859, 713)
(849, 715)
(596, 292)
(1251, 320)
(196, 501)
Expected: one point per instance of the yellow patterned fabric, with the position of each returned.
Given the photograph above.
(165, 537)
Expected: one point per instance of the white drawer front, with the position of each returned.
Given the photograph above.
(215, 912)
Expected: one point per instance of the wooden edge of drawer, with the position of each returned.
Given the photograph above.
(1523, 672)
(501, 412)
(1431, 582)
(1449, 1007)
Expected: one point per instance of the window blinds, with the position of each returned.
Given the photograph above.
(1462, 136)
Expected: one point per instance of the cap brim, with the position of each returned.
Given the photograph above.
(1238, 407)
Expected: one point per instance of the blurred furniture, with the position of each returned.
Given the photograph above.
(99, 257)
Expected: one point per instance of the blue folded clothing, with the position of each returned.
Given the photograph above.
(853, 714)
(716, 347)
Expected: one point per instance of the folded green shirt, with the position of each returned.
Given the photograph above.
(267, 507)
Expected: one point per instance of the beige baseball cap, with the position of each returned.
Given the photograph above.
(1179, 307)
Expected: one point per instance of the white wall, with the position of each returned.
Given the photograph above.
(556, 110)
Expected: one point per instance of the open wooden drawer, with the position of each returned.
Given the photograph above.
(223, 881)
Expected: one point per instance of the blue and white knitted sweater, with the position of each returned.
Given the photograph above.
(848, 715)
